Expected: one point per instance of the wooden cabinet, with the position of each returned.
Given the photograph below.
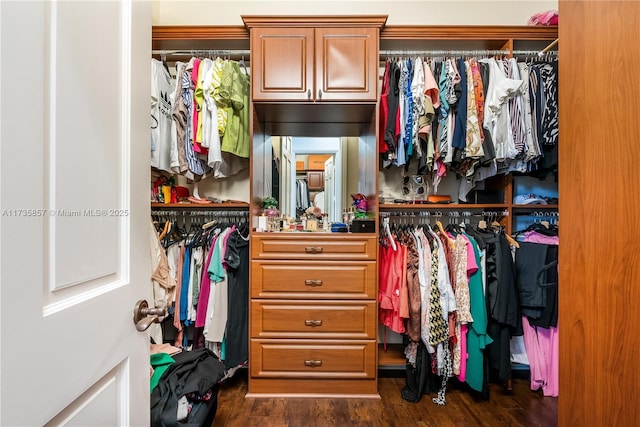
(313, 321)
(284, 68)
(315, 180)
(312, 61)
(346, 64)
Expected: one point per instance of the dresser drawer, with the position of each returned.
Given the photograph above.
(314, 280)
(312, 359)
(301, 319)
(338, 246)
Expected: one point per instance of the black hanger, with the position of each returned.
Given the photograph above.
(163, 57)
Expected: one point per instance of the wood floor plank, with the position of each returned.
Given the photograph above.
(521, 408)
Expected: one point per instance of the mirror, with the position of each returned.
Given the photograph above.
(310, 172)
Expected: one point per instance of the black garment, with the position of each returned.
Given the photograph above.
(548, 278)
(487, 143)
(237, 333)
(499, 351)
(501, 295)
(420, 379)
(459, 139)
(197, 371)
(394, 101)
(530, 260)
(501, 289)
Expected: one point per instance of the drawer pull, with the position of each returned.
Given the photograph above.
(313, 322)
(313, 363)
(313, 282)
(313, 249)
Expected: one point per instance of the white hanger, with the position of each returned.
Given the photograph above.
(387, 229)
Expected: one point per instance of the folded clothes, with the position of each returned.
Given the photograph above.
(529, 199)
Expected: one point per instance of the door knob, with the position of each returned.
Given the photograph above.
(143, 316)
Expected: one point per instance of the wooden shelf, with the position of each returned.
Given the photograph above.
(239, 205)
(392, 357)
(535, 207)
(437, 206)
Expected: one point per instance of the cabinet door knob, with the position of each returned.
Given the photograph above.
(319, 93)
(313, 363)
(314, 283)
(313, 249)
(309, 94)
(313, 323)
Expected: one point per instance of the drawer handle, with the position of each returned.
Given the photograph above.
(313, 363)
(313, 249)
(313, 283)
(313, 322)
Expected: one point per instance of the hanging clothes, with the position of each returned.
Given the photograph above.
(162, 99)
(212, 291)
(205, 131)
(490, 116)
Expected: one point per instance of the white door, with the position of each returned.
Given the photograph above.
(330, 205)
(74, 200)
(287, 202)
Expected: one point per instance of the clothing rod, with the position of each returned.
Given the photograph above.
(534, 53)
(451, 214)
(548, 48)
(194, 212)
(463, 52)
(195, 52)
(443, 52)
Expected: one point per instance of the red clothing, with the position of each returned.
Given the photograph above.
(391, 273)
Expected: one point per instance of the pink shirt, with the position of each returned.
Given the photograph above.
(535, 237)
(205, 289)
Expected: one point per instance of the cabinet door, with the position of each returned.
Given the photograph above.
(282, 64)
(346, 64)
(315, 180)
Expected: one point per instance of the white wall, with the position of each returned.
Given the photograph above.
(416, 12)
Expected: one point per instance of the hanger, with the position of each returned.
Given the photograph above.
(441, 228)
(243, 65)
(385, 224)
(497, 226)
(163, 57)
(166, 229)
(512, 241)
(209, 224)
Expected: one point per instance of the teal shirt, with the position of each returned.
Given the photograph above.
(477, 338)
(160, 363)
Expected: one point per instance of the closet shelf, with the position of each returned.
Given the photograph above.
(437, 206)
(192, 206)
(535, 207)
(392, 357)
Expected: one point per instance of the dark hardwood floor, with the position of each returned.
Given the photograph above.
(521, 408)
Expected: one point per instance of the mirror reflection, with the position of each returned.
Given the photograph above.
(311, 175)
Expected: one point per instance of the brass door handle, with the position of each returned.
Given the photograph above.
(313, 283)
(313, 249)
(313, 363)
(313, 323)
(143, 316)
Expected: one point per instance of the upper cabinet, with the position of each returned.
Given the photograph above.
(314, 59)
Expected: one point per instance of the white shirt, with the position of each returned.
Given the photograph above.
(496, 110)
(162, 94)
